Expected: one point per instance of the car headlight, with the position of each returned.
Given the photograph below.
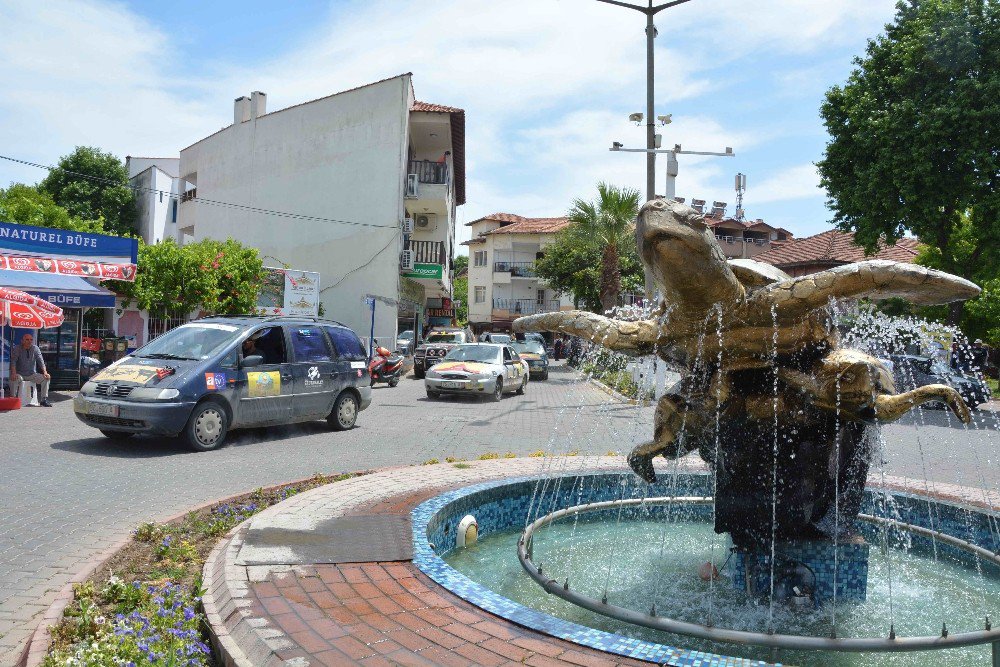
(88, 388)
(153, 394)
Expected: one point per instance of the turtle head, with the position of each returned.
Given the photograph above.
(680, 249)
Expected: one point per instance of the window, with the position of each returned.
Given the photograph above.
(173, 210)
(506, 355)
(479, 258)
(540, 296)
(480, 295)
(268, 343)
(348, 345)
(309, 344)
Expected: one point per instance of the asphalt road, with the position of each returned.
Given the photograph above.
(67, 493)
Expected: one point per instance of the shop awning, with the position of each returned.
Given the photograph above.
(64, 291)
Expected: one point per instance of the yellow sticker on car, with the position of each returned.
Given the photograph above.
(267, 383)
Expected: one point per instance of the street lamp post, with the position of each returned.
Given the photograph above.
(650, 11)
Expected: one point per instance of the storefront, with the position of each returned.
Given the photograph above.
(55, 264)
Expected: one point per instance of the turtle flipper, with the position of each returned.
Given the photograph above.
(877, 279)
(632, 337)
(668, 439)
(889, 408)
(641, 461)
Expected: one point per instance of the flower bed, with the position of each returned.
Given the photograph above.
(144, 606)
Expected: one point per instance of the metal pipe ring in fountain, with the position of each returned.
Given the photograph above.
(798, 642)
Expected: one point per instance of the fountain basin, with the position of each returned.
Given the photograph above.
(497, 584)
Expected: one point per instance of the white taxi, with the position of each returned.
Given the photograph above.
(478, 369)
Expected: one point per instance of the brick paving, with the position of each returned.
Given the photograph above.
(371, 613)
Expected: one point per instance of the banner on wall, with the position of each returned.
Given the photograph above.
(289, 292)
(62, 252)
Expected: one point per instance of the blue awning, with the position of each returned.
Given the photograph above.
(64, 291)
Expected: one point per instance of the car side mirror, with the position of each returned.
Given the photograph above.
(251, 361)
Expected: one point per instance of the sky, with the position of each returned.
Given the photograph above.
(547, 85)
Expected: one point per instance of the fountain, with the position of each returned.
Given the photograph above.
(786, 419)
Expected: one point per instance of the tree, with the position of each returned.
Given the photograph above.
(94, 186)
(606, 224)
(914, 135)
(27, 205)
(460, 288)
(573, 267)
(220, 277)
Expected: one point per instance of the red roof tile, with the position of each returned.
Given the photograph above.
(517, 224)
(834, 247)
(440, 108)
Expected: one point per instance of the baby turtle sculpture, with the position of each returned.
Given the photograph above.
(758, 353)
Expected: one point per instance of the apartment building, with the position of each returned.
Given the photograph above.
(157, 192)
(502, 281)
(360, 186)
(739, 238)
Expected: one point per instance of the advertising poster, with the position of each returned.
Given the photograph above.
(289, 292)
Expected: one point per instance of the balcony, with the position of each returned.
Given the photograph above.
(189, 195)
(518, 307)
(428, 252)
(429, 172)
(515, 269)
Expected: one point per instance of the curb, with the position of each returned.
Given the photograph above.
(621, 398)
(40, 640)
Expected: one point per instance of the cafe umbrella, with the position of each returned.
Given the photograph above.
(23, 311)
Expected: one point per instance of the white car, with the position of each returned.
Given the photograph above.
(478, 369)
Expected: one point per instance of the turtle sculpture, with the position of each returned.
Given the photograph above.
(767, 396)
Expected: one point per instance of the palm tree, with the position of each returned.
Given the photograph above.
(608, 224)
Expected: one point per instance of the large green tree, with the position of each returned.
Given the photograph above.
(915, 136)
(574, 267)
(460, 288)
(27, 205)
(606, 224)
(219, 277)
(93, 185)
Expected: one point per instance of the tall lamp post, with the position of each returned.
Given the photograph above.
(650, 11)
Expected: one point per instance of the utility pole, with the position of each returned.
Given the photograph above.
(650, 11)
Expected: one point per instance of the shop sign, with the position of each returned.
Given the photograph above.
(65, 300)
(426, 271)
(60, 251)
(289, 292)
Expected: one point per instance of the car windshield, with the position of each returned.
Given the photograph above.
(529, 347)
(445, 338)
(486, 354)
(197, 340)
(499, 338)
(406, 335)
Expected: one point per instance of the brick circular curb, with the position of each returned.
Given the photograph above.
(37, 646)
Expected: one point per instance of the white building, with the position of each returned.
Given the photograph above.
(328, 185)
(502, 281)
(157, 188)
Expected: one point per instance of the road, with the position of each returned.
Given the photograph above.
(66, 493)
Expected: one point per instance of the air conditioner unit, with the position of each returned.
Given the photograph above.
(406, 260)
(424, 222)
(411, 185)
(407, 225)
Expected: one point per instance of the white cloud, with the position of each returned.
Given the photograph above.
(798, 182)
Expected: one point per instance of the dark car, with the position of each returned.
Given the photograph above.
(206, 377)
(437, 344)
(912, 371)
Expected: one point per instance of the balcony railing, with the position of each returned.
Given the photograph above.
(189, 195)
(428, 252)
(525, 306)
(429, 172)
(515, 269)
(739, 239)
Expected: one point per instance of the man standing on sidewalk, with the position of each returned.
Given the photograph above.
(26, 363)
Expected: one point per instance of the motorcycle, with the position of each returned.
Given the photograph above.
(385, 366)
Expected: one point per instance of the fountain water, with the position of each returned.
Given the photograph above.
(785, 410)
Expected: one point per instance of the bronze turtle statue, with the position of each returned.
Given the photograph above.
(759, 354)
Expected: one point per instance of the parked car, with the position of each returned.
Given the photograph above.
(89, 366)
(498, 338)
(534, 353)
(480, 369)
(437, 344)
(206, 377)
(404, 341)
(911, 371)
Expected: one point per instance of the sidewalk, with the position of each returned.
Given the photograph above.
(371, 613)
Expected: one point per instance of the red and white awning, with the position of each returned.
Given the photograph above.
(24, 311)
(68, 267)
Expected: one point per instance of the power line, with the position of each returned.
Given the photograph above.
(201, 200)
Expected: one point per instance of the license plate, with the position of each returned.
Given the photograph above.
(452, 385)
(102, 409)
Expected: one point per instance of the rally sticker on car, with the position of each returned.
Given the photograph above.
(127, 373)
(467, 366)
(313, 377)
(267, 383)
(215, 381)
